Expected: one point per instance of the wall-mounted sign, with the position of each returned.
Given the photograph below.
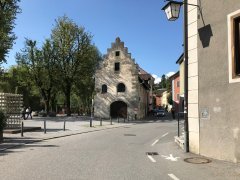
(204, 114)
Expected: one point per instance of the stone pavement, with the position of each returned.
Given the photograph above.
(54, 129)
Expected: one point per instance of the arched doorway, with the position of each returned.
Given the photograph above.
(118, 109)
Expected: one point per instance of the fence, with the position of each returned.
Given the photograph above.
(11, 104)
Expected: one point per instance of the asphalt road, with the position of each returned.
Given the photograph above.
(111, 154)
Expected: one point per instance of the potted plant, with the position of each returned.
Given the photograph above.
(3, 123)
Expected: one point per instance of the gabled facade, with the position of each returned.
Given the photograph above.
(123, 89)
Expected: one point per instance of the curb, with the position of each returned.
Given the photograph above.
(179, 141)
(61, 136)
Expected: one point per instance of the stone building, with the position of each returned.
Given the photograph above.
(123, 89)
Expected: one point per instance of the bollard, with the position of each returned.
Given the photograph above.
(118, 119)
(64, 125)
(100, 121)
(45, 126)
(178, 125)
(111, 120)
(22, 129)
(91, 122)
(124, 119)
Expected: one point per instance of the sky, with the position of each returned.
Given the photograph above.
(154, 42)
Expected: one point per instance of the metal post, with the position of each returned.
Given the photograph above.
(91, 114)
(118, 119)
(64, 125)
(111, 120)
(178, 123)
(45, 130)
(22, 125)
(186, 135)
(124, 119)
(100, 121)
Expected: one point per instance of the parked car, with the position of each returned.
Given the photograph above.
(160, 113)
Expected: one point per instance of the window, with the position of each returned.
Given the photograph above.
(121, 87)
(178, 97)
(117, 66)
(178, 84)
(117, 53)
(234, 46)
(104, 88)
(236, 34)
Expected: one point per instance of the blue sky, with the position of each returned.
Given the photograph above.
(154, 42)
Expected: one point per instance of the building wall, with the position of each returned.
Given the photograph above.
(176, 92)
(218, 97)
(134, 96)
(193, 113)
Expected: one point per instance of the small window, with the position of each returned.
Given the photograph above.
(117, 66)
(104, 88)
(234, 46)
(121, 87)
(178, 84)
(236, 25)
(117, 53)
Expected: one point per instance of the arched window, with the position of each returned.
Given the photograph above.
(121, 87)
(104, 88)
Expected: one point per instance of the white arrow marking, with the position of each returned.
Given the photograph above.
(173, 177)
(151, 158)
(170, 157)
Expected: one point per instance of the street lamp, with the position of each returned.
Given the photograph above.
(172, 10)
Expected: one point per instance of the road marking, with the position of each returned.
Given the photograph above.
(164, 135)
(173, 177)
(170, 157)
(151, 158)
(155, 142)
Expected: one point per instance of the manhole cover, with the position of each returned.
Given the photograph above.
(152, 153)
(197, 160)
(129, 134)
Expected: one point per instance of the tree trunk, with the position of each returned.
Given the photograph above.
(67, 96)
(1, 136)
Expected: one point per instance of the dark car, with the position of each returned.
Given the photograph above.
(160, 113)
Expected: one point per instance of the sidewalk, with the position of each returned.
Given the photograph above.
(54, 129)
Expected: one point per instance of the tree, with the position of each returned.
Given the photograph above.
(40, 65)
(162, 84)
(73, 54)
(8, 11)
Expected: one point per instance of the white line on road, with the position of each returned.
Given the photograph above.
(151, 158)
(173, 177)
(155, 142)
(164, 135)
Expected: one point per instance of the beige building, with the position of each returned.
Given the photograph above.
(214, 79)
(123, 89)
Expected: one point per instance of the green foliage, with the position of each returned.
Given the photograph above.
(3, 120)
(169, 99)
(40, 67)
(162, 84)
(75, 55)
(8, 11)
